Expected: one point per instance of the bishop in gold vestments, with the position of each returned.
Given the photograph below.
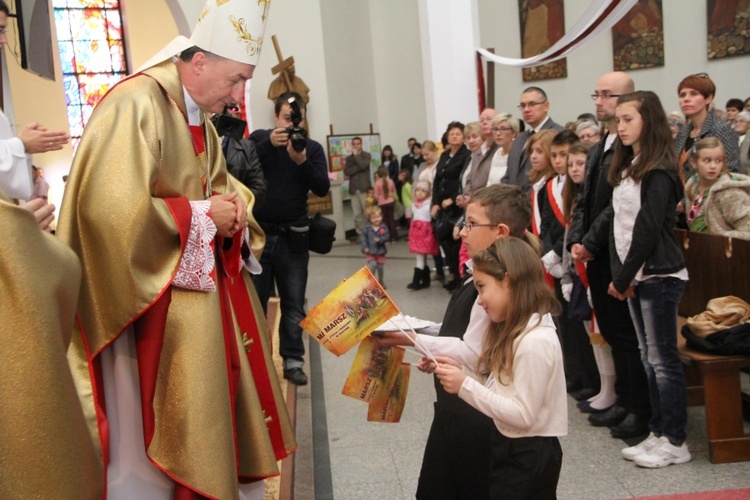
(207, 409)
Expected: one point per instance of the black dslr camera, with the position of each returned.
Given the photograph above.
(229, 126)
(297, 134)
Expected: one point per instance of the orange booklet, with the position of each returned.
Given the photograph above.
(393, 407)
(349, 313)
(373, 372)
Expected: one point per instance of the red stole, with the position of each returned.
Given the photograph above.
(534, 206)
(553, 203)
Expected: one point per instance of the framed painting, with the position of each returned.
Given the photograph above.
(728, 28)
(638, 38)
(542, 24)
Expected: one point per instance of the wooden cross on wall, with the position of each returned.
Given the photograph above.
(283, 66)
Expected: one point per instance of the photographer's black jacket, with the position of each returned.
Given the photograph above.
(289, 183)
(244, 164)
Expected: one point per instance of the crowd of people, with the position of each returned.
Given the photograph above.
(501, 148)
(598, 200)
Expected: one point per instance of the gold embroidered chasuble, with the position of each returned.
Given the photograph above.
(46, 449)
(124, 216)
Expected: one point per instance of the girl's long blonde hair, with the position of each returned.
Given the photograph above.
(514, 260)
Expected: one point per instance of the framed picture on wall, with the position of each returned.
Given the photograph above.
(542, 24)
(638, 38)
(340, 146)
(728, 28)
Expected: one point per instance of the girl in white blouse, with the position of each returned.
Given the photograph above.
(648, 269)
(518, 380)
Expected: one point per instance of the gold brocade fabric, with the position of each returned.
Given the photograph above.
(46, 450)
(137, 151)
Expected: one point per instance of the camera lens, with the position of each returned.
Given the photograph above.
(298, 142)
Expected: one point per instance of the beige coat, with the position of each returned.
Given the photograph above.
(727, 207)
(720, 313)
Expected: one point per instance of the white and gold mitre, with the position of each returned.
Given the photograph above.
(232, 29)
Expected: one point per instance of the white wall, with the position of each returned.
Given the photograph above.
(298, 27)
(349, 66)
(399, 80)
(685, 28)
(450, 36)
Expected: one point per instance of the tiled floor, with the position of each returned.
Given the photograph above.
(369, 460)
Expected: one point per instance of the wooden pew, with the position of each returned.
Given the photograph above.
(718, 267)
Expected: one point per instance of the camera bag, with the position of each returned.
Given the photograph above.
(322, 233)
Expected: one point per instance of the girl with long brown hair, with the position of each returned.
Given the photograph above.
(648, 269)
(518, 380)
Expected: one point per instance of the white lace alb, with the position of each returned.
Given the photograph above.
(198, 259)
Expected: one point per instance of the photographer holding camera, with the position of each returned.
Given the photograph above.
(293, 165)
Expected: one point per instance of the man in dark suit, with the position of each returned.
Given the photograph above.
(407, 161)
(535, 111)
(588, 241)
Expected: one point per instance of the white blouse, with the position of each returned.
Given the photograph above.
(535, 402)
(626, 203)
(498, 167)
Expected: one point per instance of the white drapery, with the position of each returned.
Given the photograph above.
(598, 18)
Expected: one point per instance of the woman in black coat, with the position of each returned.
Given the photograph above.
(445, 189)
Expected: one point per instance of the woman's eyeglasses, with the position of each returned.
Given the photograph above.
(588, 137)
(501, 129)
(695, 208)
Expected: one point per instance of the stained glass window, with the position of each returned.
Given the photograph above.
(92, 54)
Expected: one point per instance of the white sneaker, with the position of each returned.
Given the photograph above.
(650, 443)
(664, 454)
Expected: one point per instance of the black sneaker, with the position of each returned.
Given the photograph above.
(296, 376)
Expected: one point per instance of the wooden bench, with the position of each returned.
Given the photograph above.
(717, 268)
